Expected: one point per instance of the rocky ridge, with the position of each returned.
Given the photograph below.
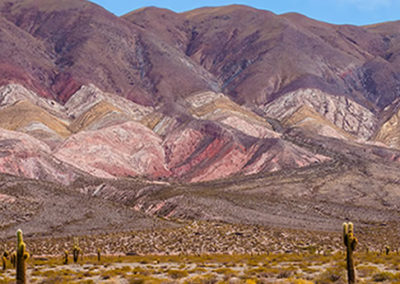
(108, 136)
(340, 111)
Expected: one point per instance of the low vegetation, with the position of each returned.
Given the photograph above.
(272, 268)
(310, 262)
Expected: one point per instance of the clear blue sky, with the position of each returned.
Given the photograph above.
(357, 12)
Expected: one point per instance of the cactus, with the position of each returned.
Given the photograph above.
(13, 259)
(21, 259)
(65, 257)
(350, 242)
(4, 259)
(98, 255)
(75, 251)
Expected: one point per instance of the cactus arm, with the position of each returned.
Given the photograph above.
(354, 243)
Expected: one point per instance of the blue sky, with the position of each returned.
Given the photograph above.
(357, 12)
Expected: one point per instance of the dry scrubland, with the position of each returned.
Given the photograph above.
(204, 252)
(273, 268)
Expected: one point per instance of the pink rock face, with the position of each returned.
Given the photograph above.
(4, 198)
(232, 162)
(206, 151)
(249, 128)
(274, 155)
(23, 155)
(192, 150)
(128, 149)
(180, 145)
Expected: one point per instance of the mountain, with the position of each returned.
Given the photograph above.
(226, 114)
(189, 97)
(259, 56)
(62, 46)
(263, 59)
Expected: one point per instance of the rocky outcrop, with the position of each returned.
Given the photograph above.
(207, 150)
(128, 149)
(13, 93)
(307, 118)
(218, 107)
(389, 132)
(25, 117)
(339, 110)
(87, 97)
(22, 155)
(99, 116)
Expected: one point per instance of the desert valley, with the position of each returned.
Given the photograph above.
(218, 145)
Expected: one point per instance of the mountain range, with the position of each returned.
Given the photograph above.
(187, 97)
(228, 114)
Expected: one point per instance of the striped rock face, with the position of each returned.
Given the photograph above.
(207, 150)
(23, 155)
(106, 136)
(127, 149)
(205, 137)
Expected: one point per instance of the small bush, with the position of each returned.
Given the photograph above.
(176, 274)
(383, 276)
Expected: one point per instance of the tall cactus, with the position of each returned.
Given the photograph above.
(21, 259)
(387, 250)
(65, 257)
(4, 259)
(75, 251)
(350, 242)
